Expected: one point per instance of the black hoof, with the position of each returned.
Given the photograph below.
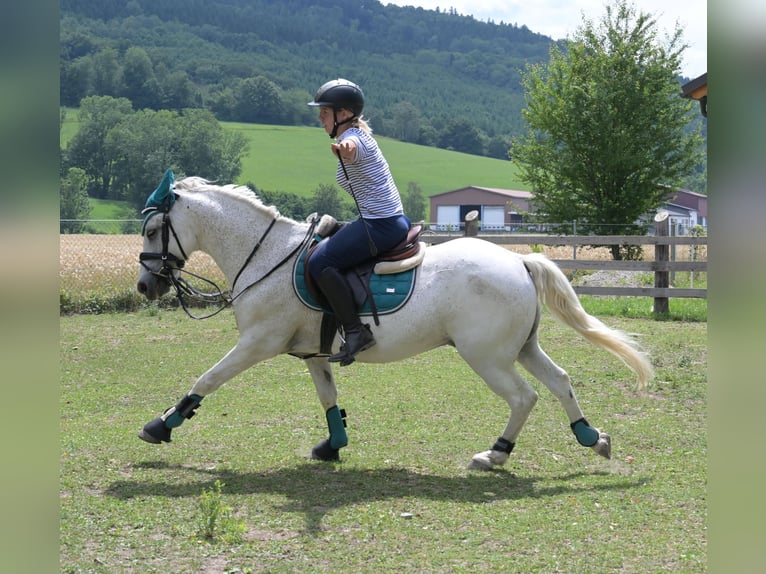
(323, 451)
(155, 432)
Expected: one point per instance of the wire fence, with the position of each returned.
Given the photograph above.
(98, 261)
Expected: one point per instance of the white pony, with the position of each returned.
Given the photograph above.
(476, 296)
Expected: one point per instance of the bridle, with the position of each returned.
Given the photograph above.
(170, 262)
(172, 267)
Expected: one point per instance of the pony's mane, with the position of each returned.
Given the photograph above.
(196, 184)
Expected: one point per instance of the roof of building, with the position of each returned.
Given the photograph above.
(506, 192)
(695, 88)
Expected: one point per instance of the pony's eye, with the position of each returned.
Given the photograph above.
(150, 233)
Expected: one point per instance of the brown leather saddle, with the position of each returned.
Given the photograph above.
(408, 248)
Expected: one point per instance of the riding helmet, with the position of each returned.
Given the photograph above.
(340, 94)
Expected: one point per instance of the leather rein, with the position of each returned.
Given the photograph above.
(172, 266)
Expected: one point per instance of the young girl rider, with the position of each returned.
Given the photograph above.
(364, 173)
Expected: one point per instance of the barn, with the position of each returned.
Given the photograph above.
(686, 209)
(499, 209)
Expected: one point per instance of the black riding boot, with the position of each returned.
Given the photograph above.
(358, 336)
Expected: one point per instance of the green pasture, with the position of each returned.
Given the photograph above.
(234, 491)
(296, 159)
(107, 209)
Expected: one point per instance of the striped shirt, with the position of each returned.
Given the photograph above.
(371, 181)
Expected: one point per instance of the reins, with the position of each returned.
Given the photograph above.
(172, 264)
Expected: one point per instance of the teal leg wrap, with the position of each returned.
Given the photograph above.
(586, 434)
(337, 425)
(183, 410)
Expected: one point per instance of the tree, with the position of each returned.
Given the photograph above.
(259, 100)
(498, 147)
(414, 203)
(405, 122)
(138, 77)
(75, 80)
(289, 204)
(107, 73)
(605, 125)
(206, 149)
(124, 153)
(88, 149)
(192, 143)
(73, 200)
(142, 148)
(327, 199)
(462, 135)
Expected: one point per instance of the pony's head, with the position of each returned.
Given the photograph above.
(159, 264)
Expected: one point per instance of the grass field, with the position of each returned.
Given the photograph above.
(110, 210)
(297, 160)
(234, 492)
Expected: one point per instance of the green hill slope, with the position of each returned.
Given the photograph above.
(298, 159)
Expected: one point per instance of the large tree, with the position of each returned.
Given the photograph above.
(88, 149)
(123, 153)
(414, 203)
(606, 129)
(73, 201)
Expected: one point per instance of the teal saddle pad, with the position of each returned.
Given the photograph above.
(390, 292)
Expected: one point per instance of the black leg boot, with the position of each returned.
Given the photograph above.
(358, 336)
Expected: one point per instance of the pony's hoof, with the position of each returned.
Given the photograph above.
(324, 452)
(155, 432)
(487, 460)
(604, 445)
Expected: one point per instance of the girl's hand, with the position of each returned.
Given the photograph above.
(346, 150)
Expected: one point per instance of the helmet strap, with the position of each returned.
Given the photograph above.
(336, 124)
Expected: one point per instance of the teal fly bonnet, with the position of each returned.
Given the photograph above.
(161, 199)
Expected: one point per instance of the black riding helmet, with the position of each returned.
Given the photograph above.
(340, 94)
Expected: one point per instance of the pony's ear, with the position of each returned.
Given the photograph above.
(164, 196)
(161, 199)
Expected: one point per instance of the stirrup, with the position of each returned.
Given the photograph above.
(345, 356)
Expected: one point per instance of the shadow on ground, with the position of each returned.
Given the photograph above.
(315, 489)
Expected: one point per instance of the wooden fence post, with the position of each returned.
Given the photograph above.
(472, 223)
(661, 253)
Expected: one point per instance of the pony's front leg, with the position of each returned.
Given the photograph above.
(241, 357)
(329, 448)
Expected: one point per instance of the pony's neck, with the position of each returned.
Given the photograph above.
(228, 226)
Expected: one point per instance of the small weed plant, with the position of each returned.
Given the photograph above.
(215, 520)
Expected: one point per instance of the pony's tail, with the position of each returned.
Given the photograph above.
(555, 292)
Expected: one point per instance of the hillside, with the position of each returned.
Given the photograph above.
(443, 66)
(296, 159)
(432, 78)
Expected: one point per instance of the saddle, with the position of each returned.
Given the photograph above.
(390, 276)
(405, 256)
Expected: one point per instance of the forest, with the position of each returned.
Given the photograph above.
(430, 77)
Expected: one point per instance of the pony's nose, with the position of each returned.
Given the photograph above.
(142, 287)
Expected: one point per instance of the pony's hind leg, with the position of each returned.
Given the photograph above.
(507, 383)
(556, 379)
